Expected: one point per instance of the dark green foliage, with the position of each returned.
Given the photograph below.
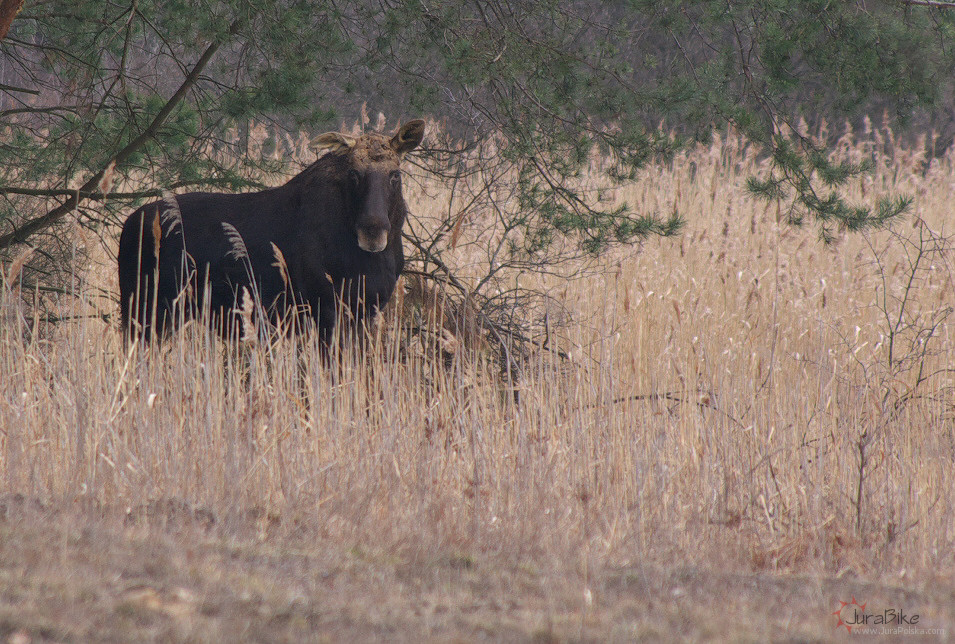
(550, 82)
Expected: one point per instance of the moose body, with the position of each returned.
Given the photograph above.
(331, 234)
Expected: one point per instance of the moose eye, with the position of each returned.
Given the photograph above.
(395, 179)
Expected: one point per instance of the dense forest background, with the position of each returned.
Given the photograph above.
(162, 95)
(264, 85)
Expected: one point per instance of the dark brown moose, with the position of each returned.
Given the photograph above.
(331, 234)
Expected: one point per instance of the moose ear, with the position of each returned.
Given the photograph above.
(334, 142)
(408, 136)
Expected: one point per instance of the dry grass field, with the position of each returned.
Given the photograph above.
(751, 427)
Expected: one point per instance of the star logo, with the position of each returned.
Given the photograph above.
(842, 607)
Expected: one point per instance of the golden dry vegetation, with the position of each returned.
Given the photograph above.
(730, 449)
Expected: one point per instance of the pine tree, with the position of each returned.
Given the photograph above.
(95, 92)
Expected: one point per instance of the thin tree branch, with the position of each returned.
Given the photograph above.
(674, 396)
(39, 110)
(939, 4)
(96, 195)
(22, 90)
(33, 226)
(497, 330)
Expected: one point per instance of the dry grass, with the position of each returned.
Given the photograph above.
(694, 469)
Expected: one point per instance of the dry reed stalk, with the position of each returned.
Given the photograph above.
(106, 181)
(157, 236)
(171, 215)
(281, 265)
(15, 270)
(588, 462)
(245, 312)
(237, 250)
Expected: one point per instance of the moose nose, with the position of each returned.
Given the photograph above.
(373, 240)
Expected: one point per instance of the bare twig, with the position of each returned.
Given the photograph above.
(37, 224)
(98, 195)
(502, 335)
(21, 90)
(938, 4)
(673, 396)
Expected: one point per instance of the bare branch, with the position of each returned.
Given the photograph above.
(938, 4)
(33, 226)
(97, 195)
(21, 90)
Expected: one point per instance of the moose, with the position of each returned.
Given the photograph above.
(329, 237)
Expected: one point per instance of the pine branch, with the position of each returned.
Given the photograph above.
(38, 224)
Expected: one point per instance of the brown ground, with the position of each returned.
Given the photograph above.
(169, 572)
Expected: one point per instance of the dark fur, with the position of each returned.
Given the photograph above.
(312, 219)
